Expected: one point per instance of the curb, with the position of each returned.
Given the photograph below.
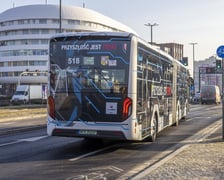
(21, 129)
(11, 130)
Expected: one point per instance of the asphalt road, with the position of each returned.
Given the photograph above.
(31, 154)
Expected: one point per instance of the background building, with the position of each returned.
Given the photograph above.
(25, 33)
(174, 49)
(206, 73)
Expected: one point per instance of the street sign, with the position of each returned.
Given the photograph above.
(220, 51)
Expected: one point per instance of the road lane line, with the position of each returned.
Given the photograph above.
(24, 140)
(6, 144)
(91, 153)
(32, 139)
(190, 119)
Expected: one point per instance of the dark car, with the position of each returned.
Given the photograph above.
(197, 98)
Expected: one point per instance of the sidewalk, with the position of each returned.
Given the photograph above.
(198, 160)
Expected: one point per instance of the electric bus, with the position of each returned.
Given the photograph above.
(113, 85)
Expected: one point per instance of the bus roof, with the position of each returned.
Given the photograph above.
(101, 33)
(119, 34)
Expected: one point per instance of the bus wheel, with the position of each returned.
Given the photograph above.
(154, 129)
(177, 117)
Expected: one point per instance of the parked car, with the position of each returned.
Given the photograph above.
(29, 93)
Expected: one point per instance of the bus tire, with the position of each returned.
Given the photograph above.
(154, 128)
(177, 117)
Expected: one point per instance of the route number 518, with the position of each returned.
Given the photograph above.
(73, 60)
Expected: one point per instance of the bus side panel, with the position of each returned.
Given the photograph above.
(135, 127)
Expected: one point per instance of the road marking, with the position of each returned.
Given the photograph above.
(6, 144)
(24, 140)
(98, 173)
(116, 169)
(210, 108)
(91, 153)
(190, 119)
(112, 168)
(8, 123)
(32, 139)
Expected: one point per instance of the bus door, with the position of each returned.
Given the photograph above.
(143, 99)
(167, 104)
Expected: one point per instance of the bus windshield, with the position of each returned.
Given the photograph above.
(97, 64)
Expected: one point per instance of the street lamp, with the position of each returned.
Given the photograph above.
(193, 45)
(60, 29)
(151, 25)
(194, 73)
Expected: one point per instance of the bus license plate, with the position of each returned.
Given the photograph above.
(88, 132)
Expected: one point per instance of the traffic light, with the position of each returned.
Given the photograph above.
(218, 64)
(185, 61)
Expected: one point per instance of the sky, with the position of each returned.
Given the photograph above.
(179, 21)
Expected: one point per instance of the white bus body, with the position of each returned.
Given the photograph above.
(113, 85)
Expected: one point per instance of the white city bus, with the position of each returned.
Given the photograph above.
(113, 85)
